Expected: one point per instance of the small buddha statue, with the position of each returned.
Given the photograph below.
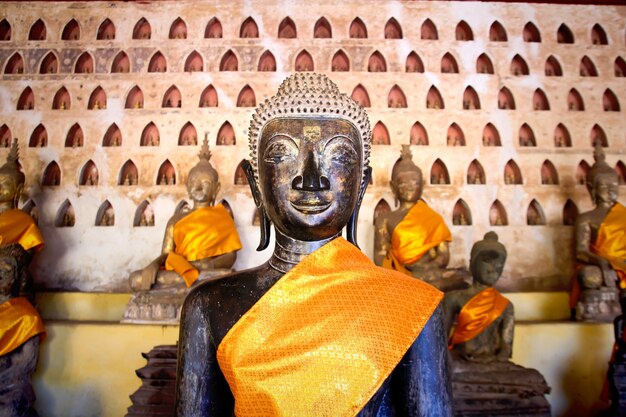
(323, 345)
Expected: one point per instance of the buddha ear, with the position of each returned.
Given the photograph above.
(352, 222)
(258, 201)
(18, 193)
(217, 190)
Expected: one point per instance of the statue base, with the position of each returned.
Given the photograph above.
(598, 305)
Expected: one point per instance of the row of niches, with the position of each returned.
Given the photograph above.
(128, 174)
(418, 135)
(84, 63)
(322, 29)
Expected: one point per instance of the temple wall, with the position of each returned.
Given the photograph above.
(88, 257)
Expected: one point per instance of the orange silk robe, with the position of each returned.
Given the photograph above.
(18, 227)
(421, 230)
(325, 337)
(19, 321)
(478, 313)
(611, 241)
(203, 233)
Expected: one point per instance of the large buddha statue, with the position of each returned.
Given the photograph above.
(600, 247)
(484, 380)
(317, 330)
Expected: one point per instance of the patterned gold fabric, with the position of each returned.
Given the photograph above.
(611, 241)
(19, 321)
(18, 227)
(324, 338)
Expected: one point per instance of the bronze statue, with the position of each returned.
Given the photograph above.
(317, 306)
(600, 247)
(484, 381)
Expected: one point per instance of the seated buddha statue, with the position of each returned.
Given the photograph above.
(480, 322)
(600, 247)
(318, 329)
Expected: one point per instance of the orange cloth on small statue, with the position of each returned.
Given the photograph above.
(19, 321)
(611, 241)
(18, 227)
(478, 313)
(419, 231)
(324, 338)
(203, 233)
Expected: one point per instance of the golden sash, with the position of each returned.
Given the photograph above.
(421, 230)
(19, 321)
(18, 227)
(324, 338)
(478, 313)
(203, 233)
(611, 241)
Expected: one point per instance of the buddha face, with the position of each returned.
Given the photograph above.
(310, 172)
(202, 187)
(605, 189)
(8, 189)
(407, 186)
(487, 266)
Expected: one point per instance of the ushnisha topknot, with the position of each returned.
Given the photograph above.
(405, 163)
(600, 167)
(204, 156)
(488, 244)
(11, 166)
(304, 94)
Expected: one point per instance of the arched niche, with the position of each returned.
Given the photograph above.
(183, 206)
(619, 68)
(39, 137)
(144, 215)
(194, 62)
(610, 101)
(129, 175)
(75, 137)
(322, 29)
(213, 29)
(449, 65)
(535, 215)
(26, 100)
(188, 135)
(240, 175)
(5, 30)
(38, 31)
(112, 137)
(208, 98)
(497, 214)
(121, 63)
(414, 63)
(304, 62)
(157, 63)
(564, 34)
(267, 62)
(418, 135)
(620, 169)
(581, 172)
(142, 29)
(484, 64)
(376, 63)
(5, 136)
(491, 136)
(575, 101)
(434, 99)
(98, 99)
(475, 173)
(249, 29)
(497, 33)
(570, 212)
(553, 67)
(463, 32)
(287, 29)
(540, 100)
(246, 97)
(65, 217)
(15, 64)
(88, 174)
(505, 99)
(106, 30)
(393, 30)
(598, 35)
(51, 175)
(178, 29)
(340, 62)
(105, 215)
(30, 208)
(527, 136)
(166, 174)
(380, 134)
(519, 66)
(71, 31)
(470, 99)
(587, 68)
(49, 64)
(530, 33)
(134, 99)
(461, 214)
(562, 138)
(61, 100)
(396, 98)
(359, 94)
(455, 135)
(150, 135)
(549, 175)
(512, 174)
(226, 135)
(597, 134)
(172, 98)
(358, 29)
(228, 208)
(439, 173)
(382, 208)
(84, 64)
(428, 30)
(229, 62)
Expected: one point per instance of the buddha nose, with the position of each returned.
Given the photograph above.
(310, 178)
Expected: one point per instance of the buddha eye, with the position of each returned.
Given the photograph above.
(341, 150)
(279, 150)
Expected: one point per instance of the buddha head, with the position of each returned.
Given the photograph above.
(309, 167)
(487, 259)
(203, 181)
(11, 180)
(602, 181)
(406, 178)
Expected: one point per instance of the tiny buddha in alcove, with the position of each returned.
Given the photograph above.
(318, 330)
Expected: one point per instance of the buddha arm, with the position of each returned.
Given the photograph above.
(443, 254)
(583, 244)
(508, 326)
(382, 240)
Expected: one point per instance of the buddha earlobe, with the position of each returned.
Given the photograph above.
(352, 222)
(258, 201)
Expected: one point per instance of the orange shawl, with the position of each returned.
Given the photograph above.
(19, 321)
(611, 241)
(18, 227)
